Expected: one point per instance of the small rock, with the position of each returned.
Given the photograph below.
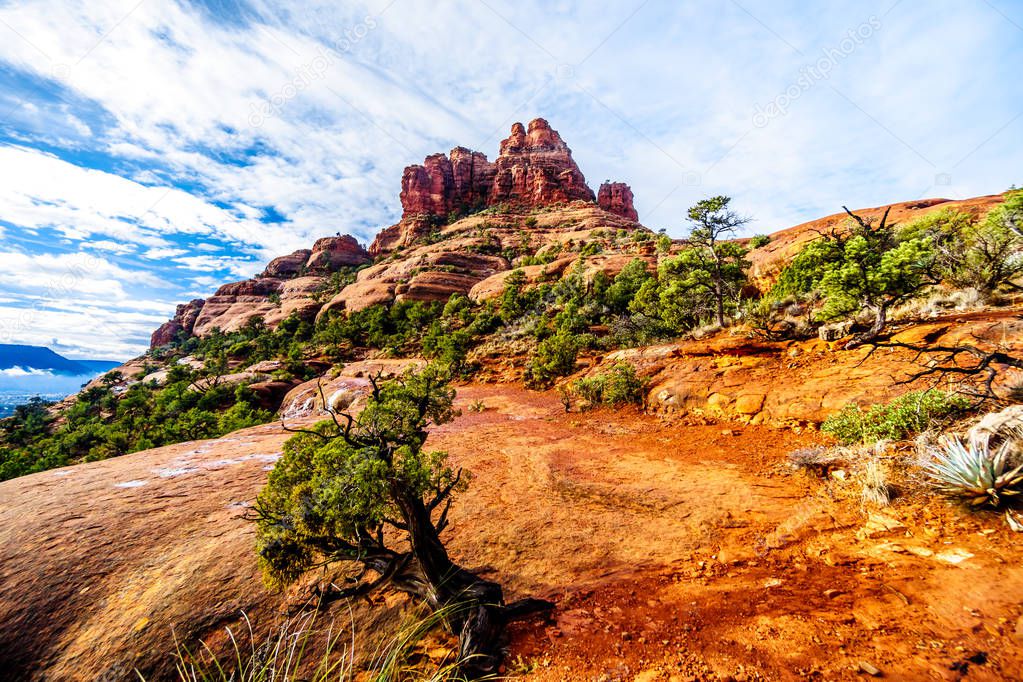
(867, 668)
(1018, 632)
(750, 403)
(832, 593)
(880, 524)
(953, 556)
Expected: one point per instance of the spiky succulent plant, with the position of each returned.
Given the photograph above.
(972, 471)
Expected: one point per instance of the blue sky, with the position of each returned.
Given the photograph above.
(151, 150)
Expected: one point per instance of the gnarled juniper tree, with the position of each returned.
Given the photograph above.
(363, 491)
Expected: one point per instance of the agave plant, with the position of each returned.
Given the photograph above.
(973, 472)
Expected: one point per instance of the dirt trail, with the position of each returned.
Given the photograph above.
(674, 551)
(688, 552)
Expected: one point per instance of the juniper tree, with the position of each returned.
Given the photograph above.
(705, 277)
(362, 492)
(866, 271)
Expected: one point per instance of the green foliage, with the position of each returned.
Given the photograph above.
(335, 488)
(870, 269)
(705, 278)
(103, 423)
(905, 416)
(513, 301)
(555, 357)
(699, 283)
(626, 285)
(397, 328)
(616, 387)
(985, 255)
(869, 275)
(759, 241)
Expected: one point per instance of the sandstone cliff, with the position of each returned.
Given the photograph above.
(534, 188)
(534, 168)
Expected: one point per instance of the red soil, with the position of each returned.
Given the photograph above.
(673, 551)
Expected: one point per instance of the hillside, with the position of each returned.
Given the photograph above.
(660, 450)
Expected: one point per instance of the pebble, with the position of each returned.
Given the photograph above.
(869, 669)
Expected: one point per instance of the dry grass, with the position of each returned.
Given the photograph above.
(940, 302)
(874, 490)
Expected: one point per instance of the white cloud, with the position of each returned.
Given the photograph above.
(239, 267)
(24, 372)
(661, 97)
(161, 254)
(64, 275)
(39, 190)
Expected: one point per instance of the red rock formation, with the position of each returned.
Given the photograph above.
(183, 320)
(616, 197)
(234, 304)
(287, 266)
(534, 167)
(331, 253)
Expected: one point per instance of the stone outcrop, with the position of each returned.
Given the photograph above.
(333, 253)
(616, 197)
(533, 168)
(183, 320)
(286, 287)
(288, 266)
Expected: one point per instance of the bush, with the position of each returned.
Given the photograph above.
(903, 417)
(759, 241)
(555, 357)
(618, 386)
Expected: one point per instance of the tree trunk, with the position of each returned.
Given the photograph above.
(473, 608)
(880, 320)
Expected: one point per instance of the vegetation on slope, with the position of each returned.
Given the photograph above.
(857, 275)
(345, 489)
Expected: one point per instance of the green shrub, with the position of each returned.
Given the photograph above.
(759, 241)
(616, 387)
(903, 417)
(555, 357)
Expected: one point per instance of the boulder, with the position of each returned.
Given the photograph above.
(333, 253)
(183, 320)
(288, 266)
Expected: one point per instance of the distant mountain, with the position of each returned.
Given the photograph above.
(19, 360)
(30, 371)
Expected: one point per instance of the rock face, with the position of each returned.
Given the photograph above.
(288, 266)
(287, 286)
(331, 253)
(183, 320)
(616, 197)
(535, 167)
